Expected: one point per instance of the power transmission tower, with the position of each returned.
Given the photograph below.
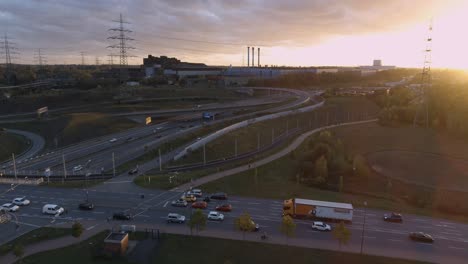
(121, 38)
(426, 81)
(8, 49)
(97, 61)
(110, 59)
(39, 58)
(82, 58)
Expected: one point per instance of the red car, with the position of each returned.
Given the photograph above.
(224, 208)
(200, 205)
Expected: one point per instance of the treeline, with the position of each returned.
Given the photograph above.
(304, 80)
(324, 163)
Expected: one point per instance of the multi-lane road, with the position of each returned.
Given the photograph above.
(380, 238)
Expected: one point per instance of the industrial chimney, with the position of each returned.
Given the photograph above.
(248, 58)
(253, 57)
(258, 59)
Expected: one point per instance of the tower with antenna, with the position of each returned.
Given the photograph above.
(121, 44)
(40, 58)
(8, 49)
(426, 81)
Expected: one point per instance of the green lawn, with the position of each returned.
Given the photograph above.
(74, 128)
(11, 143)
(174, 249)
(35, 236)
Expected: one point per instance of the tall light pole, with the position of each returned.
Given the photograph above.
(113, 164)
(363, 226)
(14, 166)
(160, 161)
(64, 167)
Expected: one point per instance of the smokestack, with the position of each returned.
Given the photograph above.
(258, 59)
(253, 57)
(248, 58)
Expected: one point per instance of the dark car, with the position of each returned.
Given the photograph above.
(393, 217)
(129, 139)
(422, 237)
(86, 206)
(219, 196)
(224, 208)
(133, 171)
(122, 216)
(207, 199)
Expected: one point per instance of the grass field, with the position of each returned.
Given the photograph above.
(73, 128)
(419, 155)
(175, 249)
(11, 143)
(35, 236)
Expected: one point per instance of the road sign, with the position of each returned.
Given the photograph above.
(47, 172)
(148, 120)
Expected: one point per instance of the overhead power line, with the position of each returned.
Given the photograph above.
(121, 44)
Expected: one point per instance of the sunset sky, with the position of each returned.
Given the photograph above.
(294, 32)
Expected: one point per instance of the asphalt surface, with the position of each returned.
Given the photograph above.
(95, 155)
(381, 238)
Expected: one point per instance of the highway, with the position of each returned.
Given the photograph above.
(381, 238)
(97, 153)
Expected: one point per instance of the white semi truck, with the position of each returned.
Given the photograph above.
(322, 210)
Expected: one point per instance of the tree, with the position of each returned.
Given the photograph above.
(18, 251)
(321, 170)
(244, 223)
(197, 221)
(340, 184)
(77, 229)
(288, 227)
(360, 167)
(342, 234)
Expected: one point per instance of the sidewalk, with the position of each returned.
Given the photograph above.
(295, 144)
(54, 243)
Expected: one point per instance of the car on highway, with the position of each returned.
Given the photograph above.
(422, 237)
(219, 196)
(393, 217)
(321, 226)
(133, 171)
(129, 139)
(189, 198)
(224, 208)
(215, 216)
(52, 209)
(113, 140)
(179, 203)
(9, 207)
(207, 199)
(77, 168)
(199, 205)
(196, 192)
(121, 216)
(21, 201)
(86, 206)
(175, 218)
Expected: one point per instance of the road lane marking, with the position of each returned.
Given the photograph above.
(394, 240)
(254, 203)
(98, 212)
(91, 227)
(142, 215)
(165, 204)
(459, 248)
(369, 237)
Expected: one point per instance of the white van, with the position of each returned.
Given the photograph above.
(52, 209)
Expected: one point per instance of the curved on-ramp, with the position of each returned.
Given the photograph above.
(251, 121)
(294, 145)
(36, 145)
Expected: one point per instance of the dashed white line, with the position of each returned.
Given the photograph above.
(394, 240)
(254, 203)
(165, 204)
(459, 248)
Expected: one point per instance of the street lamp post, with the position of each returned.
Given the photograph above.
(363, 226)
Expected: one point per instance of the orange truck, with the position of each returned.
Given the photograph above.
(321, 210)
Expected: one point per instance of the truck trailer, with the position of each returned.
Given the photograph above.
(318, 210)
